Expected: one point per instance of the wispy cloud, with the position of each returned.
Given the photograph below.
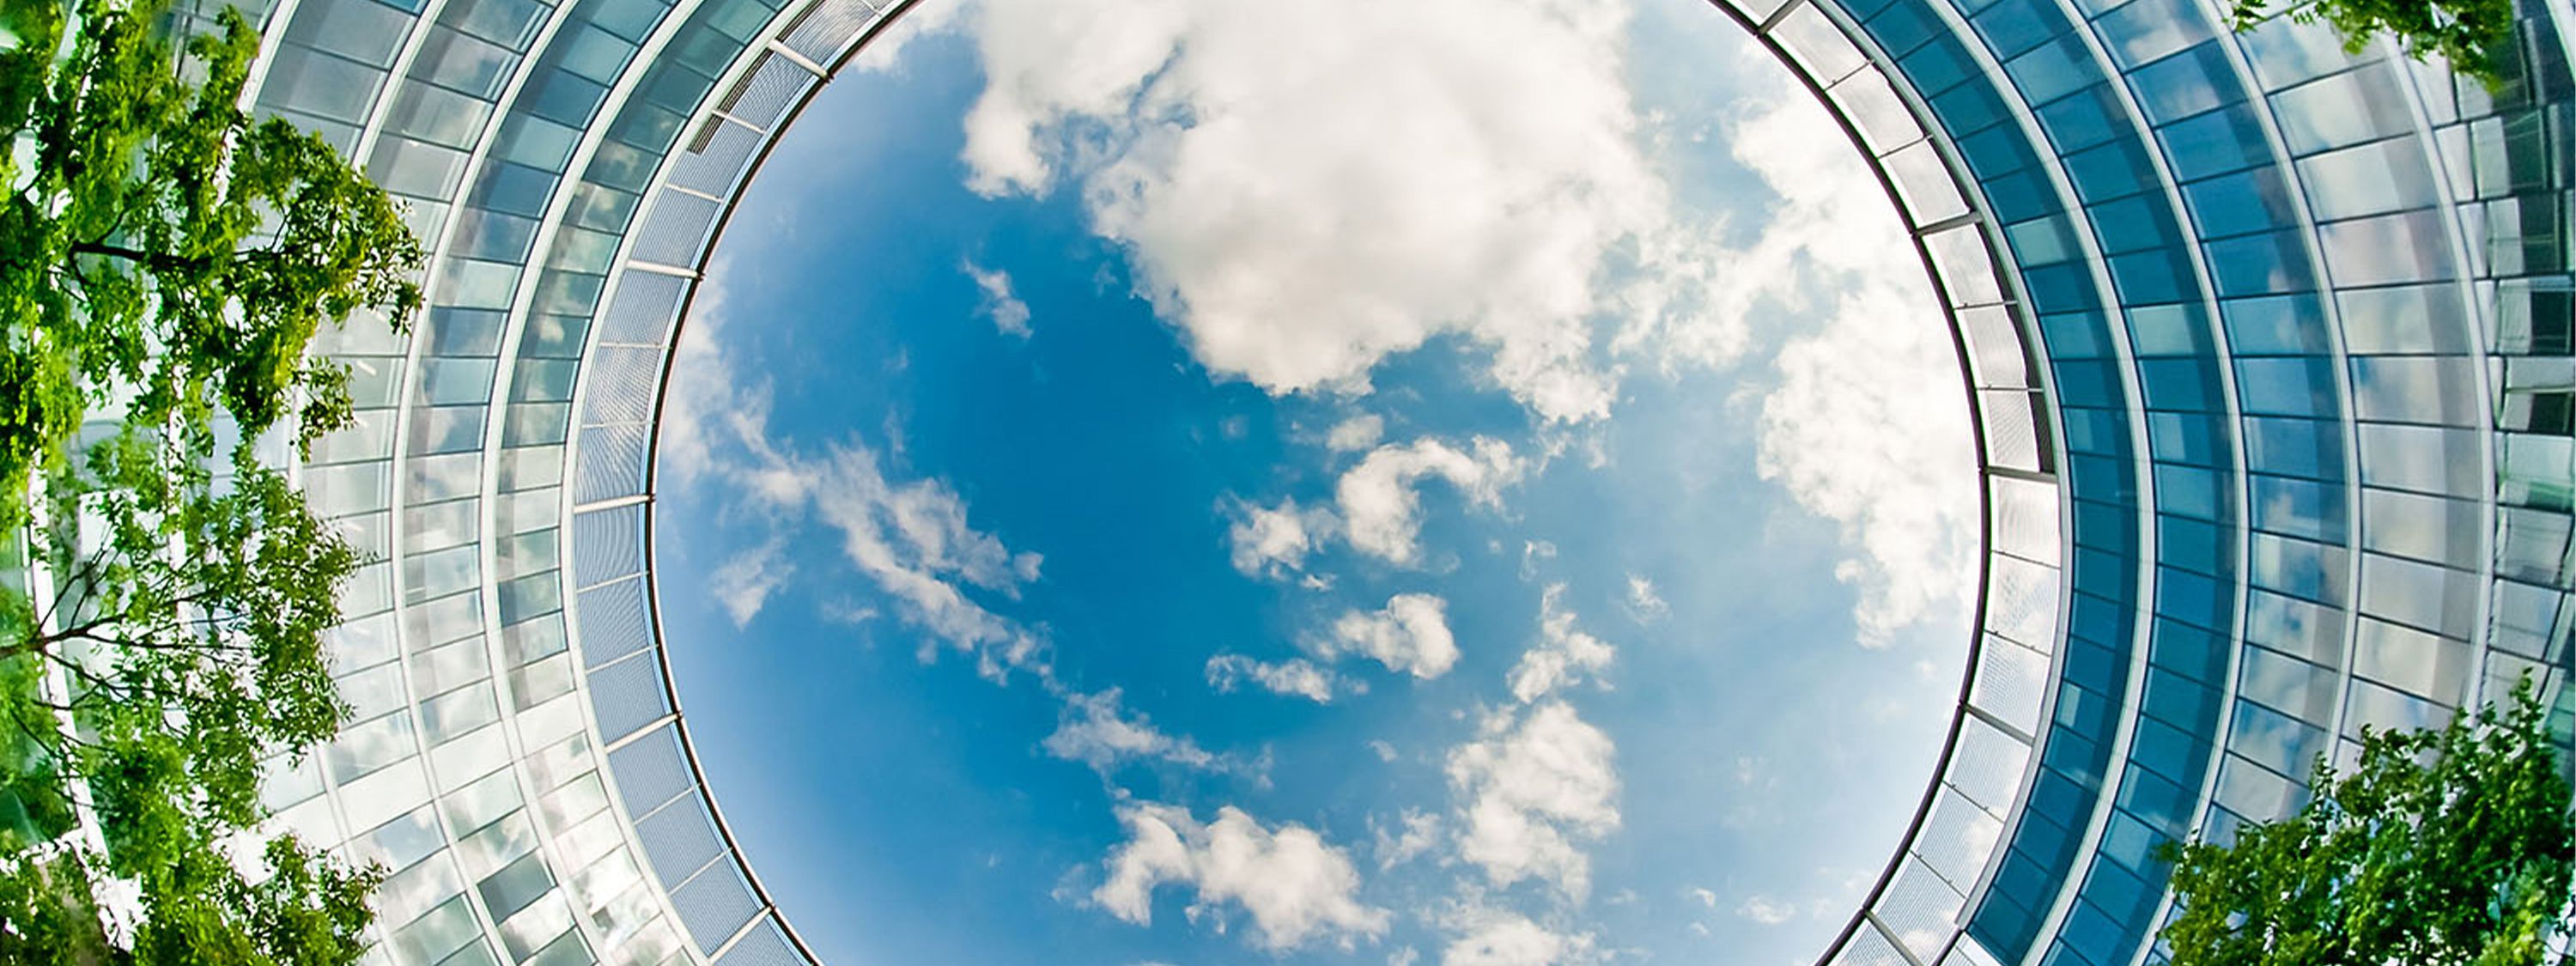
(1295, 886)
(743, 583)
(1645, 603)
(910, 537)
(1098, 730)
(1562, 656)
(1008, 313)
(1415, 833)
(1296, 677)
(1767, 911)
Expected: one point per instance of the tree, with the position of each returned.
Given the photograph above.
(162, 245)
(2475, 36)
(164, 265)
(2444, 846)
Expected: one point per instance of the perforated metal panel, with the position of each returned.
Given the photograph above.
(643, 309)
(627, 696)
(616, 621)
(720, 160)
(675, 230)
(612, 462)
(607, 544)
(650, 771)
(774, 85)
(764, 945)
(715, 905)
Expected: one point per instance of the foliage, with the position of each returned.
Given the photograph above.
(2446, 846)
(164, 265)
(2475, 36)
(161, 251)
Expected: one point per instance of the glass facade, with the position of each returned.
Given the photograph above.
(2270, 349)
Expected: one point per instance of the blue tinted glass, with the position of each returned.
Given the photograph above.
(2073, 335)
(2098, 518)
(2076, 756)
(2094, 617)
(565, 98)
(2247, 201)
(514, 188)
(2193, 544)
(2314, 571)
(2173, 697)
(2052, 69)
(2259, 265)
(2155, 799)
(2185, 84)
(2110, 171)
(2080, 120)
(2215, 143)
(2287, 386)
(2187, 490)
(2198, 439)
(1906, 24)
(2102, 478)
(1996, 152)
(2273, 325)
(2132, 223)
(2152, 277)
(2299, 508)
(2013, 26)
(2294, 447)
(2098, 573)
(2020, 196)
(2059, 288)
(2190, 384)
(2193, 652)
(2186, 596)
(2159, 748)
(1967, 108)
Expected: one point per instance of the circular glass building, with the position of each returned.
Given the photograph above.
(2271, 346)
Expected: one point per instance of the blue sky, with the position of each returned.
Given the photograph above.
(1191, 482)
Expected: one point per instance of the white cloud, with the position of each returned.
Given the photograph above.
(1410, 635)
(1383, 750)
(912, 538)
(743, 583)
(1296, 677)
(1008, 313)
(1356, 433)
(1533, 787)
(1868, 426)
(1562, 655)
(1306, 188)
(1274, 541)
(883, 52)
(1705, 897)
(1293, 884)
(1767, 911)
(1644, 601)
(1419, 832)
(1381, 508)
(1097, 730)
(1496, 937)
